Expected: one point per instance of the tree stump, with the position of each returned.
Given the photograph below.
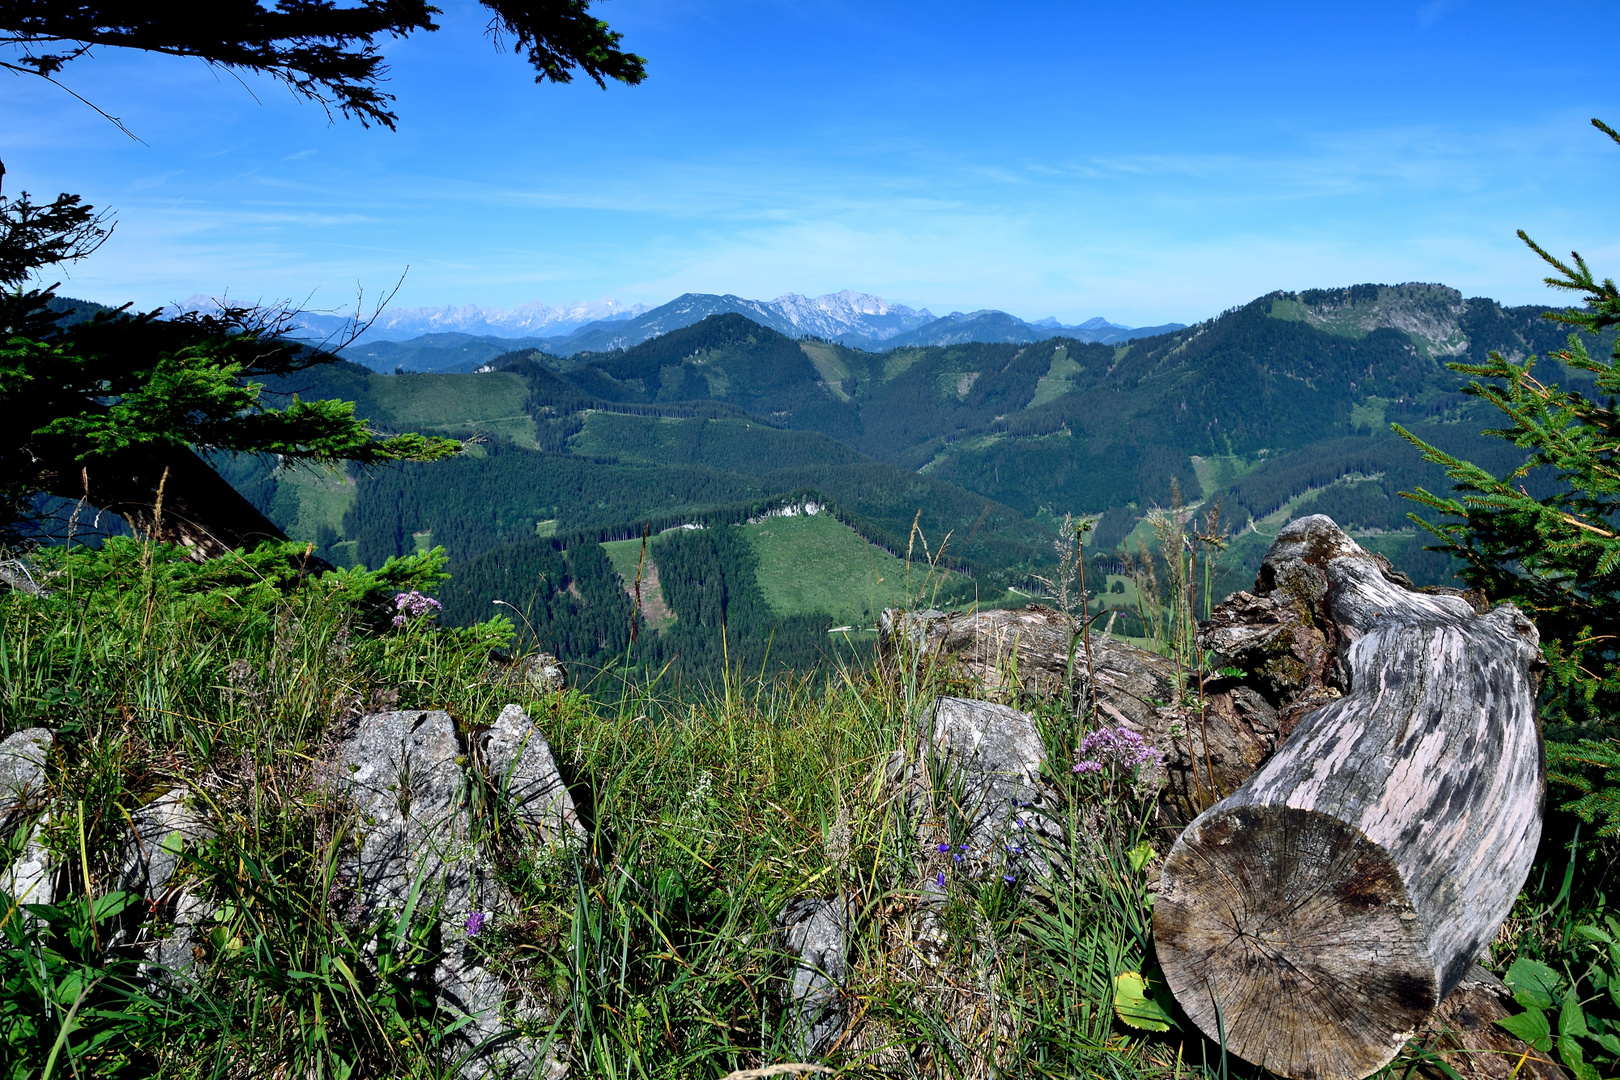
(1314, 918)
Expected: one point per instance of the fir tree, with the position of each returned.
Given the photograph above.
(1557, 555)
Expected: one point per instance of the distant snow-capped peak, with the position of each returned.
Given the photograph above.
(533, 319)
(847, 312)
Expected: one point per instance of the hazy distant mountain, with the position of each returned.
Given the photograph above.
(459, 338)
(998, 326)
(849, 318)
(533, 319)
(447, 353)
(526, 320)
(837, 316)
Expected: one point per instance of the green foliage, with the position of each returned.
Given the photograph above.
(568, 603)
(318, 51)
(1557, 1016)
(816, 563)
(722, 623)
(33, 236)
(1591, 767)
(66, 1007)
(89, 394)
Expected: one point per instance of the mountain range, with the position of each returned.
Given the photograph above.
(462, 339)
(1278, 407)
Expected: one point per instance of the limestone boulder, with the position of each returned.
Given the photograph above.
(28, 866)
(519, 765)
(816, 935)
(981, 764)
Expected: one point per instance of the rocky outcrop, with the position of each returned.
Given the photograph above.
(519, 765)
(405, 774)
(1028, 653)
(26, 878)
(159, 834)
(408, 777)
(816, 934)
(539, 673)
(979, 765)
(17, 574)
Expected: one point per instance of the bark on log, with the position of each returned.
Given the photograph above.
(1463, 1033)
(1313, 919)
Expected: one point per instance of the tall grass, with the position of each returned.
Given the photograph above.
(650, 950)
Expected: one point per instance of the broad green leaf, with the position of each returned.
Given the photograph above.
(1571, 1020)
(114, 903)
(1139, 855)
(1592, 933)
(1609, 1043)
(1533, 983)
(1136, 1005)
(1530, 1026)
(1569, 1051)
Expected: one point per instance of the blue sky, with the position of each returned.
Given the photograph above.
(1144, 162)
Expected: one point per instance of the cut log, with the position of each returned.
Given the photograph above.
(1314, 918)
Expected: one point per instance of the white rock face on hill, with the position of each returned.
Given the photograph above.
(848, 312)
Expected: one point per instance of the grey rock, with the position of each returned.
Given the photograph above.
(175, 951)
(545, 672)
(405, 773)
(26, 878)
(159, 833)
(540, 672)
(519, 762)
(987, 758)
(22, 769)
(20, 576)
(816, 933)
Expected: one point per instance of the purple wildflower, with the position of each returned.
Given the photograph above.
(942, 848)
(1119, 747)
(940, 880)
(958, 859)
(410, 605)
(1009, 878)
(475, 923)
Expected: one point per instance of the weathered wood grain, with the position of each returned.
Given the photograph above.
(1315, 917)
